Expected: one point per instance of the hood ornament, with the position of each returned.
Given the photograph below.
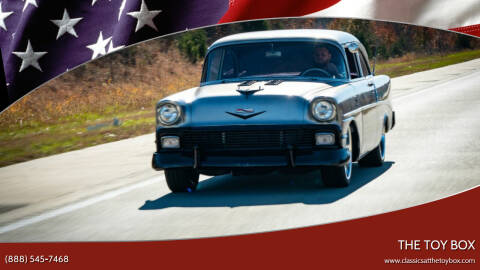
(245, 113)
(248, 92)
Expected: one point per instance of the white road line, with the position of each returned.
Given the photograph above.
(75, 206)
(111, 194)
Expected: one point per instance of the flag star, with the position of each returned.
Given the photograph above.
(99, 47)
(144, 17)
(3, 16)
(122, 7)
(32, 2)
(66, 24)
(29, 57)
(112, 49)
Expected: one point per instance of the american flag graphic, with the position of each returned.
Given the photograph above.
(41, 39)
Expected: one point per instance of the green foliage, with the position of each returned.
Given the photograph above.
(193, 44)
(254, 26)
(464, 41)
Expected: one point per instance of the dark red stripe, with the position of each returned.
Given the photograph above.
(256, 9)
(473, 30)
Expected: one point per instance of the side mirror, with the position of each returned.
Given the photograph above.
(353, 47)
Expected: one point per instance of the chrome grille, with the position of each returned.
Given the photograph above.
(247, 139)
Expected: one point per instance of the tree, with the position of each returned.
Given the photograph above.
(193, 44)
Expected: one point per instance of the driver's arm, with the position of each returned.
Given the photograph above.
(332, 69)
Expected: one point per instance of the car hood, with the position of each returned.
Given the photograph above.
(224, 104)
(297, 88)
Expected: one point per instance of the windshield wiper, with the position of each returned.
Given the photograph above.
(247, 83)
(274, 82)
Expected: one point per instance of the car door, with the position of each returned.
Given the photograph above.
(371, 121)
(364, 99)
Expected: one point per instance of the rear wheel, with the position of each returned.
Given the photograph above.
(377, 156)
(339, 176)
(182, 179)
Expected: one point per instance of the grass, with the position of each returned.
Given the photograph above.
(34, 142)
(82, 114)
(411, 63)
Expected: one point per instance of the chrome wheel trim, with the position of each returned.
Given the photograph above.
(382, 147)
(348, 167)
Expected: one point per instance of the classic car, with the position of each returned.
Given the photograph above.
(276, 100)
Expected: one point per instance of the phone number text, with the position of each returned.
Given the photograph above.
(24, 259)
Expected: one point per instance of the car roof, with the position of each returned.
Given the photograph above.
(332, 35)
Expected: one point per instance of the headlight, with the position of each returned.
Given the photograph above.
(323, 110)
(168, 113)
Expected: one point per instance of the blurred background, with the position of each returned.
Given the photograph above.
(114, 97)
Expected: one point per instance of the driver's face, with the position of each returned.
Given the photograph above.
(322, 55)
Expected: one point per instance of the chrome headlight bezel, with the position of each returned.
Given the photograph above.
(161, 120)
(325, 102)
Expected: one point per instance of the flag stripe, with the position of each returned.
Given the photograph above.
(254, 9)
(473, 30)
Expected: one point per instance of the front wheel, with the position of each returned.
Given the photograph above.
(377, 156)
(182, 179)
(339, 176)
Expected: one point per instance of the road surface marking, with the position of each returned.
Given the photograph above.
(75, 206)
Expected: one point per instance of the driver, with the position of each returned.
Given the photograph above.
(321, 59)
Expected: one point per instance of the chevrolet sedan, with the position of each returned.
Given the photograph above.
(297, 100)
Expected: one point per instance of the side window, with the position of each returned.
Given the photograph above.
(363, 63)
(213, 65)
(352, 65)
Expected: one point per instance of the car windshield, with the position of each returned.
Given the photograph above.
(296, 60)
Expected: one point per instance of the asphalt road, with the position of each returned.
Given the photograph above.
(109, 192)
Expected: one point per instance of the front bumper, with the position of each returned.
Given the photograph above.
(290, 158)
(295, 151)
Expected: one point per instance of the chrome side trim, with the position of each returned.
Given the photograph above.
(360, 109)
